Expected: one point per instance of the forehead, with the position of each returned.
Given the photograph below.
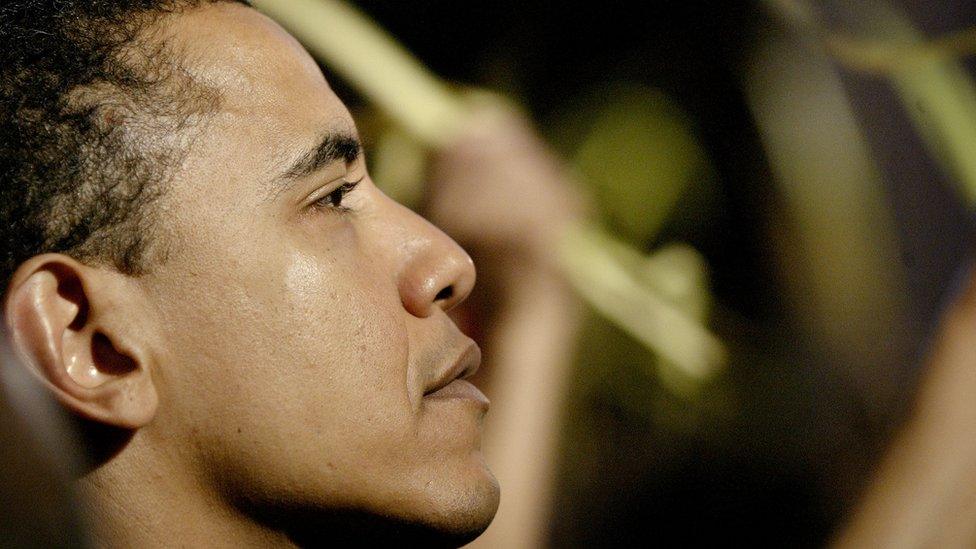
(274, 98)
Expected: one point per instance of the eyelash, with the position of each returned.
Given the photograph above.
(333, 200)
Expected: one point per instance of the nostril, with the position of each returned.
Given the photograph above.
(445, 294)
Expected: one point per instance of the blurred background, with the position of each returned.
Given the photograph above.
(794, 177)
(761, 208)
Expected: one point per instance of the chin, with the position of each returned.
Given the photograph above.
(465, 516)
(448, 518)
(354, 528)
(450, 515)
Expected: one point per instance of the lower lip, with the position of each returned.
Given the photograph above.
(459, 389)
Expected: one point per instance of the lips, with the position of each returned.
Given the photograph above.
(460, 389)
(450, 383)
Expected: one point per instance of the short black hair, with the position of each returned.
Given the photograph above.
(95, 106)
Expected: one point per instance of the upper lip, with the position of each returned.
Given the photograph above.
(466, 365)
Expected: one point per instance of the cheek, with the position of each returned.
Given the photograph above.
(293, 353)
(344, 321)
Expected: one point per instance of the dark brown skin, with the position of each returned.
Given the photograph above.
(270, 375)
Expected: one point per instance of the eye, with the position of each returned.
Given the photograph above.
(333, 200)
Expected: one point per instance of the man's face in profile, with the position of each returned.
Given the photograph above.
(304, 359)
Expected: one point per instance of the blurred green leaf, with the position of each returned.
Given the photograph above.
(639, 156)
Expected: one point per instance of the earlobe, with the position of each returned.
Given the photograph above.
(66, 325)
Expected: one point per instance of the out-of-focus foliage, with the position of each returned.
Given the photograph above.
(846, 282)
(938, 93)
(659, 300)
(639, 157)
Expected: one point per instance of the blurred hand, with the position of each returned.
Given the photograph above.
(924, 494)
(500, 191)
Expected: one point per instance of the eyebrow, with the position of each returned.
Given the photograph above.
(332, 147)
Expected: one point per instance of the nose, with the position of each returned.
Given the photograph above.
(435, 272)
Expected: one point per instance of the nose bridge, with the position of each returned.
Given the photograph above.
(432, 270)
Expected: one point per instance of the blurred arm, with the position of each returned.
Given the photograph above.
(924, 493)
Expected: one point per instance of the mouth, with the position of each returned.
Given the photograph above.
(451, 384)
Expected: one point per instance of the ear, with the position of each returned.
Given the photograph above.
(73, 326)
